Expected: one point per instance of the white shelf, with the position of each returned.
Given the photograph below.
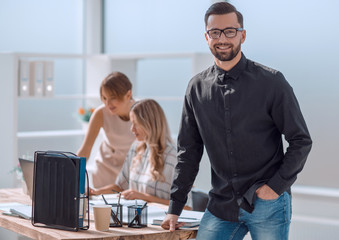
(130, 56)
(48, 55)
(60, 97)
(55, 133)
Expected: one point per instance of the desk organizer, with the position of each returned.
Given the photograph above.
(59, 199)
(116, 219)
(137, 216)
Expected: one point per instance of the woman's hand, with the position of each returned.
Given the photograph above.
(131, 194)
(94, 192)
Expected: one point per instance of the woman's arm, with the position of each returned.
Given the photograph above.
(95, 123)
(131, 194)
(108, 189)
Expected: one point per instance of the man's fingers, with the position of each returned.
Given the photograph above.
(173, 222)
(170, 222)
(179, 225)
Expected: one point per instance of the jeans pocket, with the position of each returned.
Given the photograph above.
(277, 210)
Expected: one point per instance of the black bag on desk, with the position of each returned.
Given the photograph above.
(59, 199)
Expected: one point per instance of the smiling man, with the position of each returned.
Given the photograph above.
(239, 110)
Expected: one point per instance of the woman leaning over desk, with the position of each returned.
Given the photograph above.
(148, 170)
(113, 117)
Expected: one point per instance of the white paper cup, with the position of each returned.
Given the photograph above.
(102, 215)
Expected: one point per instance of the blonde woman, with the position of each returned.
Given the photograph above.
(113, 118)
(148, 170)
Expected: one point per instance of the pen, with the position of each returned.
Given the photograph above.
(143, 206)
(118, 205)
(115, 191)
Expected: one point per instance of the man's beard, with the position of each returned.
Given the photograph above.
(225, 56)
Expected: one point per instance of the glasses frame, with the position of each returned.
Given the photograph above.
(223, 31)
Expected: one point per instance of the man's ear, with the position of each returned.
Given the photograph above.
(243, 36)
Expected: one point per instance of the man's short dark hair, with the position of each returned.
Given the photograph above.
(221, 8)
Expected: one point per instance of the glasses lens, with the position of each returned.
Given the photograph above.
(230, 32)
(214, 33)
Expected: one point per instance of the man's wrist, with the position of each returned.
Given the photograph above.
(175, 207)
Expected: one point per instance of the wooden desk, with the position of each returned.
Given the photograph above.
(24, 227)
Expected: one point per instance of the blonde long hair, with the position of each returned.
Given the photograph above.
(152, 120)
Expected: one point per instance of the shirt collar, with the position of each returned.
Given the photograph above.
(235, 71)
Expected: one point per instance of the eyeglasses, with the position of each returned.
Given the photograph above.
(229, 32)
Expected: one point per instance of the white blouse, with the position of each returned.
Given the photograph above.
(139, 178)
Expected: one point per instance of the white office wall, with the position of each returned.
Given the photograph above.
(41, 26)
(154, 26)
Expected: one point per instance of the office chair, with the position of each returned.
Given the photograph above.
(199, 200)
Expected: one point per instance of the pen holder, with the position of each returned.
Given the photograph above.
(116, 219)
(137, 216)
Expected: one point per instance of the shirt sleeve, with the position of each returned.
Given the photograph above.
(170, 163)
(289, 120)
(190, 150)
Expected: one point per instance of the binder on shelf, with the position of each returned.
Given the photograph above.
(24, 74)
(49, 79)
(36, 79)
(59, 196)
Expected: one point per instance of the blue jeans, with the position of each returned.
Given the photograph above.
(270, 220)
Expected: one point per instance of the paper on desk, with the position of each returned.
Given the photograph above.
(16, 209)
(23, 211)
(7, 206)
(113, 199)
(190, 218)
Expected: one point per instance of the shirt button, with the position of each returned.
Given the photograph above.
(235, 175)
(231, 153)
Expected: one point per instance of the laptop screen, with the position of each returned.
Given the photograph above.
(27, 167)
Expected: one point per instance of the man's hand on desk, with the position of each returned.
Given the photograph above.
(171, 222)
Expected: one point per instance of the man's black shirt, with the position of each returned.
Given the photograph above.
(240, 117)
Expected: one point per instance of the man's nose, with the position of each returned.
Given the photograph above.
(223, 37)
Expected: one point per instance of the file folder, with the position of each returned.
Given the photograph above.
(36, 78)
(24, 75)
(59, 196)
(49, 79)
